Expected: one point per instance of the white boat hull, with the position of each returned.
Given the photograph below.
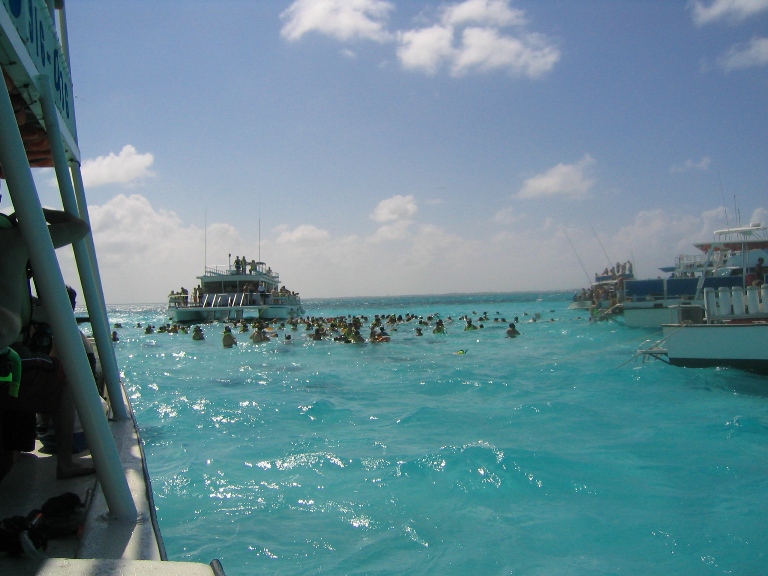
(650, 315)
(736, 345)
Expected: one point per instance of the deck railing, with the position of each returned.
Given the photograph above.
(233, 299)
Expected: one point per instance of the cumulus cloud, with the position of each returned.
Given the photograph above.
(483, 12)
(508, 216)
(396, 208)
(303, 233)
(486, 49)
(123, 168)
(144, 252)
(426, 49)
(734, 10)
(702, 164)
(341, 19)
(464, 37)
(751, 55)
(566, 180)
(475, 36)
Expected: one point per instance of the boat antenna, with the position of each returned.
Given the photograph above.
(736, 209)
(259, 239)
(589, 280)
(205, 240)
(722, 195)
(610, 263)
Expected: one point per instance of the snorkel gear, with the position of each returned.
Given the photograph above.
(10, 370)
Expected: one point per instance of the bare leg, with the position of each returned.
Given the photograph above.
(64, 420)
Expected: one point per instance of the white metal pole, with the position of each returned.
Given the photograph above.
(86, 259)
(97, 303)
(34, 231)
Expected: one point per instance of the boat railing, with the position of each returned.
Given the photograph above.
(697, 262)
(736, 303)
(248, 270)
(236, 299)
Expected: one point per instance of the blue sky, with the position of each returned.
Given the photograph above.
(403, 147)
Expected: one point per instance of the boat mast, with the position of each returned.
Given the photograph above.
(589, 280)
(601, 246)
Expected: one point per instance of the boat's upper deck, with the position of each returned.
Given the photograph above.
(31, 53)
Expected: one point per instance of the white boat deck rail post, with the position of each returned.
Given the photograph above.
(34, 231)
(85, 258)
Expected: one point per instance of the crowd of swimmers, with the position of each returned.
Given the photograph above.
(347, 329)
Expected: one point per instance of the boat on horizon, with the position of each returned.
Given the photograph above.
(726, 262)
(234, 292)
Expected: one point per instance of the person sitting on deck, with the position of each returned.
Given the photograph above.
(759, 273)
(42, 386)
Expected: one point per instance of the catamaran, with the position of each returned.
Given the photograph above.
(227, 293)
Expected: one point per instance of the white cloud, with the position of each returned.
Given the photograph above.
(565, 180)
(738, 57)
(341, 19)
(468, 36)
(702, 164)
(508, 216)
(735, 10)
(303, 233)
(426, 49)
(396, 208)
(123, 168)
(485, 49)
(473, 36)
(145, 252)
(483, 12)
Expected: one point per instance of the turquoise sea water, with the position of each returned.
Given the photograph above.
(536, 455)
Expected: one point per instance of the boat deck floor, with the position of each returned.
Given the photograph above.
(105, 547)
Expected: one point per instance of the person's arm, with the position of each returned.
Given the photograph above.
(64, 227)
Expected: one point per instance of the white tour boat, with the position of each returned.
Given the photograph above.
(245, 291)
(730, 330)
(726, 262)
(118, 533)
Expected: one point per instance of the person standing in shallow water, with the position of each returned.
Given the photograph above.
(512, 331)
(228, 340)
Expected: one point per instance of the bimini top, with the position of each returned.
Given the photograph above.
(752, 237)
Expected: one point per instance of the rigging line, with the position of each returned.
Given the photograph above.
(589, 280)
(610, 263)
